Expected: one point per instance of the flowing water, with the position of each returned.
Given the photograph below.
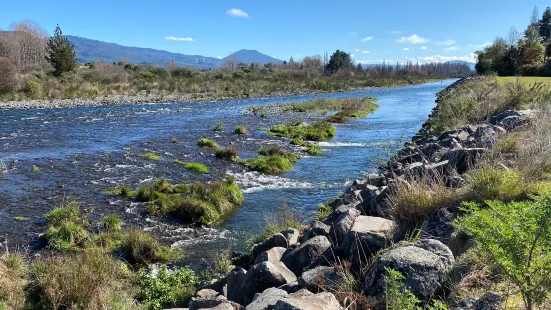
(56, 155)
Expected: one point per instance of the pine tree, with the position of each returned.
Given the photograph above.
(60, 53)
(545, 25)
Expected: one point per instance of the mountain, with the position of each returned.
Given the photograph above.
(470, 64)
(248, 56)
(94, 50)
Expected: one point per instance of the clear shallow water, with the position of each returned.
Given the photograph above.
(86, 149)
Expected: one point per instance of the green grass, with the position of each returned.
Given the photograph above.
(150, 156)
(204, 142)
(240, 130)
(318, 131)
(527, 80)
(20, 218)
(323, 211)
(313, 149)
(230, 153)
(193, 166)
(272, 160)
(491, 183)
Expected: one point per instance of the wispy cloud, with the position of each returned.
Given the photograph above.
(352, 55)
(356, 50)
(173, 38)
(438, 58)
(353, 33)
(483, 45)
(452, 48)
(237, 13)
(366, 52)
(423, 47)
(369, 38)
(396, 32)
(219, 57)
(446, 43)
(413, 39)
(405, 49)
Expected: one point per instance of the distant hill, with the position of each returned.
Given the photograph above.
(94, 50)
(248, 56)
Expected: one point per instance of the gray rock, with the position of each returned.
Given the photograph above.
(304, 301)
(199, 303)
(292, 287)
(267, 299)
(317, 229)
(374, 201)
(490, 301)
(292, 235)
(512, 122)
(277, 240)
(206, 294)
(463, 158)
(439, 224)
(429, 150)
(342, 224)
(301, 257)
(321, 278)
(225, 306)
(367, 236)
(266, 275)
(496, 119)
(425, 264)
(273, 255)
(449, 134)
(236, 285)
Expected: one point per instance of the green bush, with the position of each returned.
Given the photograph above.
(194, 166)
(219, 126)
(204, 142)
(490, 183)
(112, 223)
(399, 297)
(142, 249)
(318, 131)
(516, 239)
(240, 130)
(167, 289)
(271, 150)
(150, 155)
(273, 164)
(33, 89)
(323, 211)
(66, 213)
(314, 149)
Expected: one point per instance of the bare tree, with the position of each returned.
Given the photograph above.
(24, 44)
(513, 36)
(534, 19)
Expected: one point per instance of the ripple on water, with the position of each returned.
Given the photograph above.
(252, 181)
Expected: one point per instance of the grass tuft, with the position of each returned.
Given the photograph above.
(150, 156)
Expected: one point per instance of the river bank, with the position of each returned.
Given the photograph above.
(117, 100)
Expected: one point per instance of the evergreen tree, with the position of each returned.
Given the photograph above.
(339, 60)
(545, 25)
(60, 53)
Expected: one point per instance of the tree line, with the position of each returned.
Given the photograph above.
(520, 54)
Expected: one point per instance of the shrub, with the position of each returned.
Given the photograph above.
(240, 130)
(8, 82)
(142, 249)
(398, 296)
(86, 280)
(33, 89)
(65, 227)
(271, 150)
(167, 289)
(219, 126)
(112, 223)
(68, 212)
(273, 164)
(223, 264)
(230, 153)
(12, 287)
(411, 203)
(516, 238)
(277, 222)
(492, 183)
(204, 142)
(323, 211)
(314, 149)
(151, 156)
(318, 131)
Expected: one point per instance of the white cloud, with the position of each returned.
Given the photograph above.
(219, 57)
(447, 42)
(352, 55)
(353, 33)
(356, 50)
(367, 39)
(395, 32)
(173, 38)
(483, 45)
(405, 49)
(438, 58)
(423, 47)
(452, 48)
(413, 39)
(366, 52)
(237, 13)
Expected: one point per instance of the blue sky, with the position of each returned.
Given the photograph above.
(425, 30)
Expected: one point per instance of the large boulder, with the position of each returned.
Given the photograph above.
(439, 224)
(273, 255)
(499, 117)
(367, 236)
(426, 264)
(321, 278)
(266, 275)
(490, 301)
(267, 299)
(277, 240)
(292, 235)
(219, 302)
(342, 224)
(462, 158)
(512, 122)
(304, 300)
(374, 201)
(236, 285)
(316, 229)
(307, 252)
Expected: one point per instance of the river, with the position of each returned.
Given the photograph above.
(56, 155)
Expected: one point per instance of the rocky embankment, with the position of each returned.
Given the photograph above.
(306, 270)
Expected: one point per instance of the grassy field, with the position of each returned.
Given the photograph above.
(526, 80)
